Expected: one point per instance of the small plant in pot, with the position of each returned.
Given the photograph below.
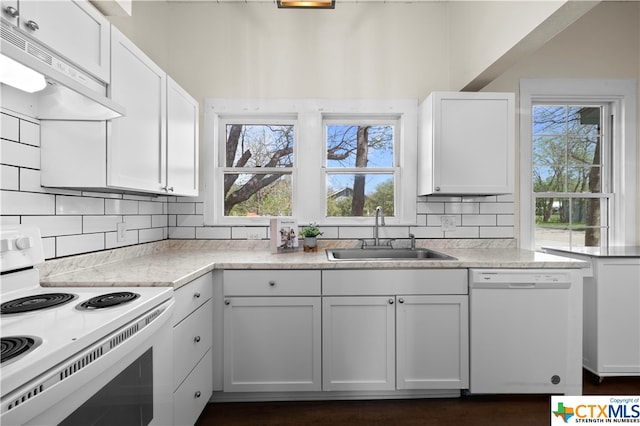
(310, 234)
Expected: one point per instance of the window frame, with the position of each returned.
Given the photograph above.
(621, 95)
(309, 169)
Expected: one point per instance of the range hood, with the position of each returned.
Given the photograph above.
(70, 93)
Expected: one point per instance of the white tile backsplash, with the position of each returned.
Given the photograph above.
(75, 222)
(26, 203)
(29, 133)
(55, 225)
(19, 154)
(112, 206)
(9, 127)
(71, 221)
(9, 178)
(76, 244)
(79, 205)
(91, 224)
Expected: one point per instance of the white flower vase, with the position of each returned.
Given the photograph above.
(311, 243)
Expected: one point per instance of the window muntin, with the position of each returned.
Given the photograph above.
(258, 169)
(570, 188)
(361, 166)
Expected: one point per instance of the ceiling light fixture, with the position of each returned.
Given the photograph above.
(302, 4)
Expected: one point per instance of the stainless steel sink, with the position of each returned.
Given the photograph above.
(386, 254)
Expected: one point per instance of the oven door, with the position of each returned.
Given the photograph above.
(124, 379)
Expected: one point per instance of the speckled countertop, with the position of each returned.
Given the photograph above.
(177, 262)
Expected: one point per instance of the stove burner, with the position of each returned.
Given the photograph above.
(108, 300)
(14, 346)
(35, 302)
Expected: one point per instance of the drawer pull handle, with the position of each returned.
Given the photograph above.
(227, 302)
(391, 301)
(196, 294)
(196, 339)
(401, 300)
(272, 283)
(198, 394)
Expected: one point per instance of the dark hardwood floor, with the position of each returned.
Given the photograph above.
(494, 410)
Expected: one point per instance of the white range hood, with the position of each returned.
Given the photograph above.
(70, 93)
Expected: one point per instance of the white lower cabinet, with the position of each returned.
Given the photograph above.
(358, 343)
(192, 343)
(377, 341)
(395, 342)
(345, 331)
(432, 342)
(272, 331)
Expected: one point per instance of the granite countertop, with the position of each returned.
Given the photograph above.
(177, 263)
(613, 251)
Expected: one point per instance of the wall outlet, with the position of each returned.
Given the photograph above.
(448, 223)
(121, 232)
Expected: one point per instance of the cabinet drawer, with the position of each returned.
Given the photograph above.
(192, 396)
(191, 339)
(271, 283)
(393, 281)
(189, 297)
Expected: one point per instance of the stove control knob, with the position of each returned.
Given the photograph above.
(23, 243)
(6, 245)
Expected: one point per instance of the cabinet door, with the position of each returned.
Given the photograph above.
(432, 342)
(472, 145)
(617, 320)
(182, 141)
(136, 152)
(467, 143)
(72, 28)
(358, 343)
(272, 344)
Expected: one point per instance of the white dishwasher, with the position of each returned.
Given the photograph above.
(519, 330)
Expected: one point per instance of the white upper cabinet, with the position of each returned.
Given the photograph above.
(136, 152)
(72, 28)
(466, 143)
(153, 149)
(182, 141)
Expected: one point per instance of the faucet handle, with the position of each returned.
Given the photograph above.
(413, 240)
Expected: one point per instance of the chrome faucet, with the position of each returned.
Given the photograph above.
(379, 213)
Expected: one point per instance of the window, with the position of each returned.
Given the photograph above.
(257, 173)
(360, 167)
(577, 187)
(570, 169)
(314, 160)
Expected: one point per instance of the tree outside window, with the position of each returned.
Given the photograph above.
(360, 172)
(571, 197)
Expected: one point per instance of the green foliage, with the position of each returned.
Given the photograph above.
(311, 230)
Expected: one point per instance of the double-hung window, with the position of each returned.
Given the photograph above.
(578, 165)
(326, 161)
(257, 175)
(361, 166)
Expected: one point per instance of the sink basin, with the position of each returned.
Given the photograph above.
(386, 254)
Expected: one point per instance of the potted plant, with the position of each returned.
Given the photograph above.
(310, 234)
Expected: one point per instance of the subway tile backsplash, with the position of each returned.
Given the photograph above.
(71, 222)
(74, 222)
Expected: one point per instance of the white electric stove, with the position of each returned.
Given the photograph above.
(57, 340)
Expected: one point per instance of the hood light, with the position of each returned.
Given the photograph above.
(19, 76)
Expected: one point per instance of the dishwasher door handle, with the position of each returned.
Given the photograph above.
(522, 285)
(547, 285)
